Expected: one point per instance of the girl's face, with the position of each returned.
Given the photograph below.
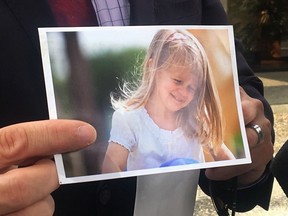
(175, 87)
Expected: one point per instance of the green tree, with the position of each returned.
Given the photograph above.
(111, 69)
(259, 23)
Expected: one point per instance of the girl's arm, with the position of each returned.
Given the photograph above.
(224, 153)
(115, 159)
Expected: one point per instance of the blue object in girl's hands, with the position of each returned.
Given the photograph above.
(178, 161)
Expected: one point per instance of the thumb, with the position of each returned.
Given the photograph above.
(42, 138)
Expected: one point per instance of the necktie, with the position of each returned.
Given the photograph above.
(73, 13)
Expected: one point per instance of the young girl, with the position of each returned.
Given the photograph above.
(174, 113)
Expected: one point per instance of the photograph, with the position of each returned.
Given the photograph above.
(161, 98)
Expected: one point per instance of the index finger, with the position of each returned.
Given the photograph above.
(252, 108)
(43, 138)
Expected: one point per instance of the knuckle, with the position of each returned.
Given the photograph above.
(50, 205)
(267, 124)
(258, 104)
(43, 207)
(13, 141)
(14, 191)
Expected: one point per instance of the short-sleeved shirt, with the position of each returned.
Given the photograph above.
(150, 146)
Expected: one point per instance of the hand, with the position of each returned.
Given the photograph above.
(261, 153)
(27, 174)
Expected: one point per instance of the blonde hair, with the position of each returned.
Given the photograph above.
(202, 118)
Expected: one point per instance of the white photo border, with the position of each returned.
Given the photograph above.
(63, 179)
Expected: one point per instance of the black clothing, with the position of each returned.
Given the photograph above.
(279, 167)
(23, 97)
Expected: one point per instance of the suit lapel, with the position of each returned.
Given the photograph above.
(30, 15)
(165, 12)
(142, 12)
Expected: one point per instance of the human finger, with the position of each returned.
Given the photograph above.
(43, 207)
(258, 127)
(42, 138)
(251, 108)
(247, 173)
(23, 187)
(261, 152)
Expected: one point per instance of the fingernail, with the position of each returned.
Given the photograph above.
(87, 134)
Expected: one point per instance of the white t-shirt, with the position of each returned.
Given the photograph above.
(150, 146)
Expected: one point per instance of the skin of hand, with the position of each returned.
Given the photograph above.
(27, 173)
(261, 154)
(115, 159)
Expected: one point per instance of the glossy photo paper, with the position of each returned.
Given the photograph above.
(162, 98)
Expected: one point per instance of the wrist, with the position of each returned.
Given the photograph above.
(256, 179)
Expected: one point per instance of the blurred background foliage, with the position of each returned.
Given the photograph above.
(83, 91)
(260, 24)
(111, 69)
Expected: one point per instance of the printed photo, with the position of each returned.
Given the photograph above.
(162, 98)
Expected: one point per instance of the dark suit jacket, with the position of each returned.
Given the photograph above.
(22, 93)
(279, 167)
